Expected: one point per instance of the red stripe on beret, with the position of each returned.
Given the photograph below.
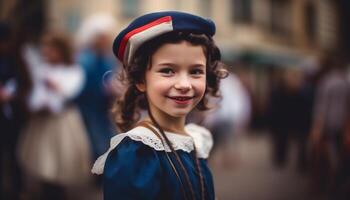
(138, 30)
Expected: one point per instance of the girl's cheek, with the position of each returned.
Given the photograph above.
(200, 85)
(161, 86)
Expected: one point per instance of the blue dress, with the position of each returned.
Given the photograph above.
(136, 166)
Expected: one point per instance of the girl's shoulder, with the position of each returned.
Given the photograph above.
(202, 137)
(198, 136)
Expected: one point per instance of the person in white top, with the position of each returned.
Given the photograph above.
(54, 148)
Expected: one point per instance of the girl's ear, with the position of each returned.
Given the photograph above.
(141, 87)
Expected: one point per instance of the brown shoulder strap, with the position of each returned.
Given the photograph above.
(148, 126)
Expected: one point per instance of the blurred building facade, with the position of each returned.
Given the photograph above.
(292, 27)
(277, 26)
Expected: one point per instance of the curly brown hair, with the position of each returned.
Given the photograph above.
(127, 109)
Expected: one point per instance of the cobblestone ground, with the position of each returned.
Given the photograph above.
(251, 175)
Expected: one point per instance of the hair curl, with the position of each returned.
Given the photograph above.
(126, 111)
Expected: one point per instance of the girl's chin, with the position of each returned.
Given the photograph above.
(178, 114)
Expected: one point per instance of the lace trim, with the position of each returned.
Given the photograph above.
(202, 139)
(178, 142)
(199, 136)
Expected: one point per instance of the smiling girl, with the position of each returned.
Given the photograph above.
(170, 64)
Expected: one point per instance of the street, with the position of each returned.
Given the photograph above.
(253, 176)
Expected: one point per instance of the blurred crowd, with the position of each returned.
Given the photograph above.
(55, 98)
(307, 108)
(312, 108)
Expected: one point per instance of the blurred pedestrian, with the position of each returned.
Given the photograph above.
(230, 117)
(14, 86)
(289, 112)
(54, 150)
(95, 100)
(330, 121)
(281, 113)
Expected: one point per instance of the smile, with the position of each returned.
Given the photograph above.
(181, 99)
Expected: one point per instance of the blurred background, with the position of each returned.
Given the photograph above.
(281, 130)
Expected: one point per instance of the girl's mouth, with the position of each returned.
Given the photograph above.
(183, 100)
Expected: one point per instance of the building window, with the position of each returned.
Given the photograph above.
(281, 19)
(310, 21)
(241, 11)
(130, 8)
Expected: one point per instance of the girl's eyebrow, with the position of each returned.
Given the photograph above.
(167, 64)
(199, 65)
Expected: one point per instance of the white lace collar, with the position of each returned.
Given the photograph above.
(198, 135)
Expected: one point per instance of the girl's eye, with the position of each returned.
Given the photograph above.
(167, 71)
(197, 72)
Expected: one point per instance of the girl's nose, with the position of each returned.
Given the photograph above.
(183, 83)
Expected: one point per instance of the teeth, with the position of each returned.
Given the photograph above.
(181, 98)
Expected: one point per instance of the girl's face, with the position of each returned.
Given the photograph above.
(50, 53)
(176, 80)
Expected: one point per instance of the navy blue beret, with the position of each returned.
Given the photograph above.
(152, 25)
